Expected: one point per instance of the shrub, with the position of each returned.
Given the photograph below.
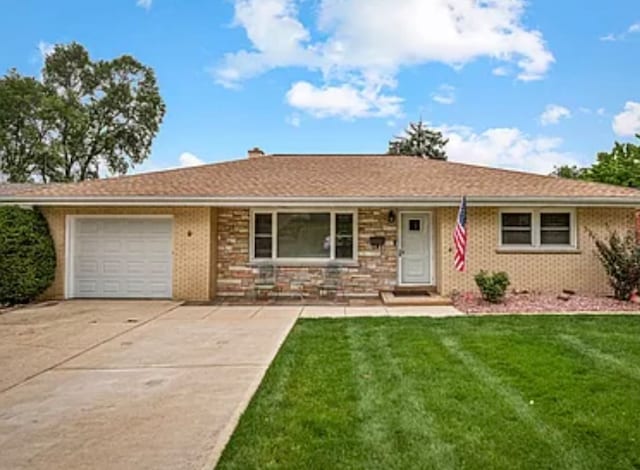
(492, 286)
(620, 256)
(27, 255)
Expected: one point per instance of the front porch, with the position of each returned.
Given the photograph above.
(363, 255)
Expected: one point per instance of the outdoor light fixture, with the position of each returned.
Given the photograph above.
(391, 217)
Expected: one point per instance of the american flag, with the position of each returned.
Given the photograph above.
(460, 237)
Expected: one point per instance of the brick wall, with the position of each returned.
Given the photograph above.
(191, 246)
(374, 270)
(202, 270)
(546, 272)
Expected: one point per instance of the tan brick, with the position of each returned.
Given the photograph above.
(191, 245)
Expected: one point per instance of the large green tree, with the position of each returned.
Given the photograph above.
(27, 129)
(620, 166)
(420, 141)
(83, 117)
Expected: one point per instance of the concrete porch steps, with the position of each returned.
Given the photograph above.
(392, 299)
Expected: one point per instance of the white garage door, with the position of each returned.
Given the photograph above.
(121, 257)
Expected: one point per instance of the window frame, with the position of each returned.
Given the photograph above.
(304, 260)
(536, 229)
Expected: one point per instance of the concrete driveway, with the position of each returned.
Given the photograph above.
(129, 384)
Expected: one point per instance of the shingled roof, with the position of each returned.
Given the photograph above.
(332, 177)
(8, 189)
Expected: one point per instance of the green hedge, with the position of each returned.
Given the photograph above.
(27, 255)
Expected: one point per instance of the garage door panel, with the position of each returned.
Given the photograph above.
(115, 257)
(136, 246)
(113, 247)
(159, 267)
(112, 267)
(87, 288)
(87, 246)
(88, 227)
(87, 266)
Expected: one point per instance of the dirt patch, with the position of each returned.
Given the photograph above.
(540, 303)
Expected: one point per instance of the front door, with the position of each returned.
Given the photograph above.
(415, 248)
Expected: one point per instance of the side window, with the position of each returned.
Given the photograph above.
(555, 228)
(517, 228)
(263, 236)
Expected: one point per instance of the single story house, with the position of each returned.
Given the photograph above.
(374, 221)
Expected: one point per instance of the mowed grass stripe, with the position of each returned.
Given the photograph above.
(603, 358)
(570, 456)
(396, 429)
(305, 405)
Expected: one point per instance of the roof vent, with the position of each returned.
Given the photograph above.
(255, 152)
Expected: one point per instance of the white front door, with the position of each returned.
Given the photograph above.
(415, 248)
(121, 257)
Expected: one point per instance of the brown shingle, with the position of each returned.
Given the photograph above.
(336, 176)
(9, 189)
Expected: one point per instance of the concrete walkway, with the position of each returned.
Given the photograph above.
(331, 311)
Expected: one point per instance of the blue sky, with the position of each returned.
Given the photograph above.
(515, 84)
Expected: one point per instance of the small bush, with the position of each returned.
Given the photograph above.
(620, 256)
(492, 286)
(27, 255)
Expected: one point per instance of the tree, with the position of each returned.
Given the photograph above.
(91, 116)
(567, 171)
(419, 141)
(621, 166)
(27, 125)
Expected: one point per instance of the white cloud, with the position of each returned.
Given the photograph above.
(611, 37)
(506, 148)
(445, 95)
(627, 123)
(146, 4)
(500, 71)
(293, 120)
(553, 113)
(364, 43)
(189, 159)
(345, 101)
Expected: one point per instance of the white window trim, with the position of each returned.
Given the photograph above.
(274, 236)
(536, 229)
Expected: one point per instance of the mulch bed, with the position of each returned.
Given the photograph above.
(537, 303)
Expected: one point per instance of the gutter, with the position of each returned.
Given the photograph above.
(409, 202)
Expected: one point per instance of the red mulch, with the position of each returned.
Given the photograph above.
(522, 303)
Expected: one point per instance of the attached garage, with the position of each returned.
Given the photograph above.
(119, 257)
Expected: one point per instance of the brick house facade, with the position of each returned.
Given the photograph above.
(536, 228)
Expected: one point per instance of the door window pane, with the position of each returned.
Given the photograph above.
(304, 235)
(414, 225)
(344, 236)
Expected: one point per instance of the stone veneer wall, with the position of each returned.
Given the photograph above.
(544, 271)
(374, 270)
(191, 246)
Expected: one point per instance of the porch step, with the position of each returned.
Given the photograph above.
(414, 290)
(390, 298)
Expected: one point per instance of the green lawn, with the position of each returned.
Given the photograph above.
(502, 392)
